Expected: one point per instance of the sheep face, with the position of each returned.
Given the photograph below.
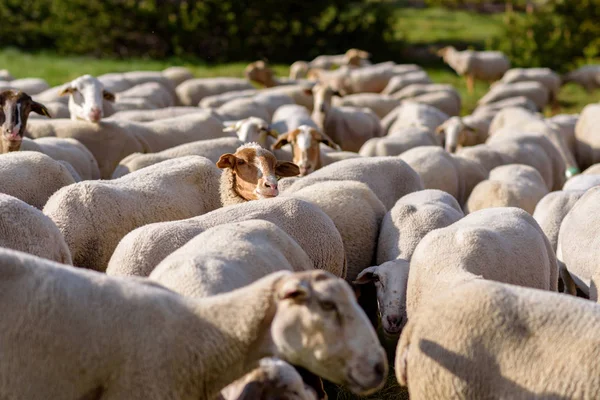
(86, 96)
(15, 109)
(322, 103)
(255, 171)
(390, 280)
(319, 325)
(260, 72)
(305, 147)
(251, 130)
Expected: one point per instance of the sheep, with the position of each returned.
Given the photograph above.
(565, 123)
(217, 100)
(290, 117)
(552, 209)
(55, 109)
(69, 150)
(120, 82)
(587, 76)
(512, 117)
(446, 101)
(153, 94)
(491, 340)
(190, 92)
(177, 75)
(251, 129)
(354, 57)
(534, 91)
(412, 114)
(357, 214)
(273, 378)
(480, 65)
(251, 174)
(32, 177)
(238, 109)
(260, 72)
(588, 145)
(201, 347)
(388, 177)
(228, 257)
(27, 229)
(399, 82)
(299, 94)
(95, 215)
(16, 107)
(155, 115)
(142, 249)
(411, 218)
(458, 132)
(502, 244)
(578, 239)
(512, 185)
(372, 78)
(582, 182)
(550, 79)
(416, 89)
(349, 127)
(212, 149)
(305, 141)
(592, 170)
(86, 96)
(397, 142)
(484, 155)
(380, 104)
(112, 141)
(32, 86)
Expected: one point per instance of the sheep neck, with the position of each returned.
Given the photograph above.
(229, 196)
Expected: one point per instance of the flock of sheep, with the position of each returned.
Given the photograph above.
(242, 243)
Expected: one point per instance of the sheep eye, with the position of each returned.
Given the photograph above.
(375, 278)
(328, 305)
(241, 162)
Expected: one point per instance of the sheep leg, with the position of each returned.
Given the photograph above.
(470, 83)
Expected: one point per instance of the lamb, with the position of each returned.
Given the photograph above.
(552, 209)
(272, 379)
(412, 114)
(534, 91)
(550, 79)
(95, 215)
(217, 100)
(28, 85)
(513, 185)
(268, 318)
(305, 141)
(27, 229)
(481, 65)
(112, 141)
(492, 340)
(251, 129)
(400, 178)
(32, 177)
(380, 104)
(86, 96)
(578, 239)
(357, 214)
(403, 227)
(212, 149)
(399, 82)
(458, 132)
(398, 141)
(142, 249)
(251, 174)
(228, 257)
(588, 145)
(155, 115)
(190, 92)
(587, 76)
(349, 127)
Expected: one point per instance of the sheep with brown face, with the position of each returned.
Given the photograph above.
(15, 107)
(251, 174)
(305, 142)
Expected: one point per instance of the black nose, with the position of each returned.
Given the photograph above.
(379, 370)
(394, 321)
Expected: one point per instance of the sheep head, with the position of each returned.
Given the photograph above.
(305, 147)
(251, 130)
(86, 98)
(15, 109)
(319, 325)
(260, 72)
(454, 134)
(255, 171)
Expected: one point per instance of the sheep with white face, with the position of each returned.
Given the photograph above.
(86, 98)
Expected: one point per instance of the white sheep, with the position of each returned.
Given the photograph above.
(566, 126)
(501, 244)
(588, 144)
(398, 141)
(512, 185)
(32, 86)
(290, 117)
(119, 82)
(550, 79)
(587, 76)
(380, 104)
(190, 92)
(399, 82)
(534, 91)
(484, 155)
(448, 102)
(491, 109)
(177, 75)
(27, 229)
(412, 114)
(32, 177)
(354, 57)
(476, 65)
(86, 98)
(142, 249)
(491, 340)
(153, 94)
(552, 209)
(95, 215)
(458, 132)
(373, 78)
(201, 342)
(212, 149)
(217, 100)
(251, 129)
(357, 214)
(260, 72)
(388, 177)
(154, 115)
(582, 182)
(228, 257)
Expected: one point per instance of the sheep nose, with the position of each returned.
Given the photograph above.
(394, 321)
(95, 114)
(271, 185)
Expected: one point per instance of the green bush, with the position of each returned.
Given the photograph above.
(560, 36)
(213, 30)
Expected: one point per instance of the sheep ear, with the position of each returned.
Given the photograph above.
(226, 161)
(338, 93)
(366, 276)
(252, 391)
(282, 140)
(39, 109)
(294, 289)
(108, 96)
(67, 90)
(327, 141)
(285, 169)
